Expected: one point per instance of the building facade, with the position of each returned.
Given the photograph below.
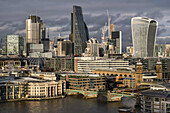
(35, 29)
(10, 91)
(125, 77)
(156, 100)
(90, 65)
(65, 63)
(92, 49)
(79, 31)
(144, 31)
(64, 47)
(15, 45)
(85, 82)
(46, 89)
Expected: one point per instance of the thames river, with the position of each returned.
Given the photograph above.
(69, 104)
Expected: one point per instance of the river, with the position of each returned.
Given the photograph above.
(69, 104)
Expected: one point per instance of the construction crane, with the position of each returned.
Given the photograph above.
(109, 19)
(104, 29)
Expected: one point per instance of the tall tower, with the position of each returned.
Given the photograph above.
(79, 31)
(112, 29)
(139, 73)
(35, 31)
(143, 33)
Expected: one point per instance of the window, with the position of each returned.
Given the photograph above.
(156, 99)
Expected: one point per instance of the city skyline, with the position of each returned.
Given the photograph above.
(56, 14)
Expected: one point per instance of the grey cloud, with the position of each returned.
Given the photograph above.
(57, 13)
(57, 22)
(63, 29)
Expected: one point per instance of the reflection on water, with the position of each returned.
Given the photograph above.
(66, 105)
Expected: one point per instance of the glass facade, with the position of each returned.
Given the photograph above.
(143, 34)
(14, 45)
(78, 30)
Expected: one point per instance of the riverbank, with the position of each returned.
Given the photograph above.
(70, 104)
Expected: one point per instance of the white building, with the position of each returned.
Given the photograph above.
(46, 89)
(92, 48)
(90, 65)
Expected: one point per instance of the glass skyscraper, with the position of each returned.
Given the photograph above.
(14, 45)
(143, 34)
(79, 31)
(35, 30)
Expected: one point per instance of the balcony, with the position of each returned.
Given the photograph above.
(148, 108)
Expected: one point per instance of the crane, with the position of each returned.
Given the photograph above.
(109, 19)
(104, 29)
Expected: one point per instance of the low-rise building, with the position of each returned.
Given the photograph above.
(46, 89)
(12, 90)
(62, 63)
(89, 65)
(156, 100)
(44, 75)
(85, 82)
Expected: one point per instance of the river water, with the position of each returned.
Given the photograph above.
(69, 104)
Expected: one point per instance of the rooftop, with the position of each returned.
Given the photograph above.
(156, 93)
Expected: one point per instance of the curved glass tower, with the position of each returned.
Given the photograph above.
(143, 34)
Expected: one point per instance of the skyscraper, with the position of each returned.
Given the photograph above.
(35, 31)
(79, 31)
(14, 45)
(143, 34)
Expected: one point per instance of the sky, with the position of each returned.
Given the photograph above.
(57, 14)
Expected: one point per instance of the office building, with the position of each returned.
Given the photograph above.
(15, 61)
(14, 45)
(12, 90)
(60, 63)
(116, 40)
(85, 82)
(79, 31)
(45, 43)
(36, 48)
(49, 89)
(162, 50)
(35, 29)
(112, 29)
(156, 99)
(64, 47)
(123, 77)
(92, 48)
(89, 65)
(144, 31)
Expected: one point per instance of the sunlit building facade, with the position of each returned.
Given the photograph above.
(143, 33)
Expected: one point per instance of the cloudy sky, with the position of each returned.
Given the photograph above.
(56, 15)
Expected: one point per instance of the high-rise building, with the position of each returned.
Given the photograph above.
(14, 45)
(35, 31)
(143, 33)
(64, 47)
(116, 36)
(112, 29)
(92, 48)
(79, 31)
